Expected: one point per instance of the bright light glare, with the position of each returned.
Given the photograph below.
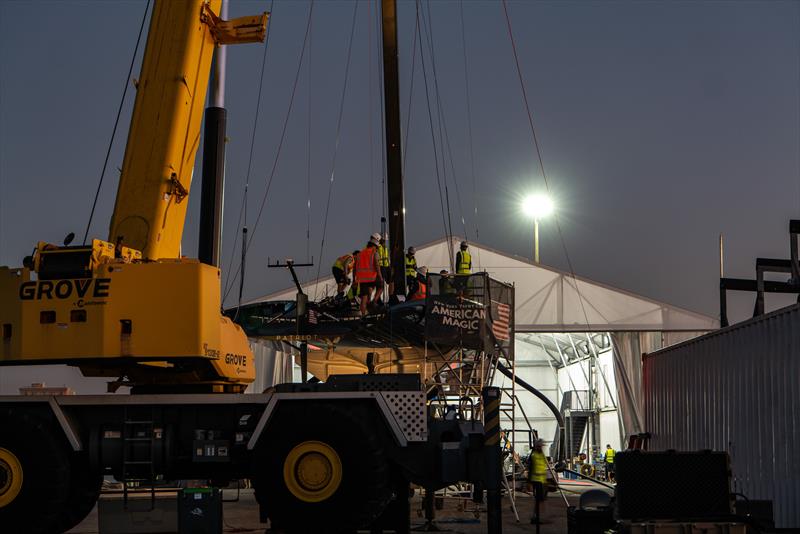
(537, 206)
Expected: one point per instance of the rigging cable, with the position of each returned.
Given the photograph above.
(116, 121)
(381, 103)
(444, 136)
(308, 153)
(370, 110)
(336, 145)
(270, 177)
(541, 160)
(428, 29)
(410, 91)
(435, 152)
(243, 208)
(469, 123)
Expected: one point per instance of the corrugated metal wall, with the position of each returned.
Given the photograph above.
(737, 390)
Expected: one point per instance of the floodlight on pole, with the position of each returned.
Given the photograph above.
(536, 207)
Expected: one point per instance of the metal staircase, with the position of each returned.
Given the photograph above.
(576, 419)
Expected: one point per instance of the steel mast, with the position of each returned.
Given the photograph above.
(394, 166)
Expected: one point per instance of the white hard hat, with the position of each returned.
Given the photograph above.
(423, 271)
(375, 238)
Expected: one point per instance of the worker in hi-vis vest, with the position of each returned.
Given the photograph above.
(537, 476)
(463, 259)
(341, 270)
(463, 268)
(368, 274)
(609, 458)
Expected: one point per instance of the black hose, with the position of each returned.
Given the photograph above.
(503, 369)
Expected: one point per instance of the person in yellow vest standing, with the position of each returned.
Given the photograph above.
(537, 476)
(609, 458)
(464, 259)
(463, 267)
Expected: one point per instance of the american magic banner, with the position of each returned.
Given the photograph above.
(454, 320)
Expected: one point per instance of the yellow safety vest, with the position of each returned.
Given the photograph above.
(465, 264)
(411, 266)
(345, 263)
(383, 256)
(610, 456)
(537, 471)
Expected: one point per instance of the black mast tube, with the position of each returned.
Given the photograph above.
(394, 170)
(211, 192)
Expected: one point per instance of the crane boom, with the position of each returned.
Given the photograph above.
(165, 129)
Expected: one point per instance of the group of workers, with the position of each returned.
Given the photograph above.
(370, 268)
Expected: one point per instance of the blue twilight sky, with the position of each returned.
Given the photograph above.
(662, 124)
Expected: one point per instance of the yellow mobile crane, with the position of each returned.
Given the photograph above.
(324, 457)
(133, 306)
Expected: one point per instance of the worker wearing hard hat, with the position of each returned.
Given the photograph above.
(537, 476)
(411, 271)
(368, 273)
(463, 259)
(341, 269)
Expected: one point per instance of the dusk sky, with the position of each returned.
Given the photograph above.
(662, 124)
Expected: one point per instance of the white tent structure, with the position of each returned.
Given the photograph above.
(576, 340)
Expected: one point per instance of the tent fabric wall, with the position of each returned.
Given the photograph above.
(273, 361)
(629, 348)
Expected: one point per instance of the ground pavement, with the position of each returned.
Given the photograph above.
(457, 516)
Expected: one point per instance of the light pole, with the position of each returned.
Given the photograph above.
(536, 207)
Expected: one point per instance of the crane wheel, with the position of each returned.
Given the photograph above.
(34, 474)
(84, 490)
(321, 470)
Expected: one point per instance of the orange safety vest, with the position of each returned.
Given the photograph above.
(365, 266)
(422, 292)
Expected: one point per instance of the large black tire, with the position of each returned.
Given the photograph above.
(84, 486)
(42, 452)
(365, 487)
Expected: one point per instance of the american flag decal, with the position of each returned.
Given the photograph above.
(312, 316)
(501, 325)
